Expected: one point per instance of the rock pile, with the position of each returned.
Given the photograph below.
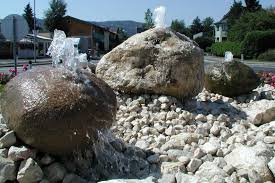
(210, 139)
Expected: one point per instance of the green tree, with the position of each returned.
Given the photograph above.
(54, 16)
(252, 5)
(255, 21)
(28, 15)
(122, 35)
(235, 12)
(207, 24)
(196, 26)
(179, 26)
(148, 20)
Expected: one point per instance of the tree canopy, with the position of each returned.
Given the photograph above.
(196, 26)
(54, 16)
(235, 12)
(252, 5)
(28, 15)
(179, 26)
(148, 20)
(207, 24)
(253, 21)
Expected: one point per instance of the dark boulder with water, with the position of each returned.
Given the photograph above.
(58, 111)
(157, 61)
(231, 79)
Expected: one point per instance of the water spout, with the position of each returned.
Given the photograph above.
(160, 17)
(64, 53)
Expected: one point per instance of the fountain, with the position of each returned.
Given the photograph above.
(160, 17)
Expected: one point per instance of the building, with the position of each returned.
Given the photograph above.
(221, 30)
(25, 45)
(92, 37)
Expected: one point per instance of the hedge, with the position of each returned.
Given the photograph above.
(257, 42)
(269, 55)
(220, 48)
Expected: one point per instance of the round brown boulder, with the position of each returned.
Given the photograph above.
(231, 79)
(157, 61)
(57, 111)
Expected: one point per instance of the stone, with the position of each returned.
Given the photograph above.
(167, 178)
(4, 152)
(147, 180)
(255, 158)
(229, 169)
(269, 140)
(7, 170)
(254, 177)
(55, 172)
(72, 178)
(184, 159)
(29, 172)
(201, 117)
(198, 153)
(215, 130)
(46, 159)
(211, 172)
(163, 99)
(271, 166)
(156, 61)
(260, 112)
(21, 153)
(184, 178)
(142, 144)
(211, 147)
(193, 165)
(153, 159)
(230, 79)
(54, 105)
(172, 167)
(8, 140)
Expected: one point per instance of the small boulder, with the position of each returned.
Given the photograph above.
(245, 159)
(55, 172)
(230, 79)
(7, 140)
(7, 170)
(29, 172)
(21, 153)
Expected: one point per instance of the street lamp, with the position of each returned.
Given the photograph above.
(34, 31)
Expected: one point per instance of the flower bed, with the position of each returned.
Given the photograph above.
(267, 78)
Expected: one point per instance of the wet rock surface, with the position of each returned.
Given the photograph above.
(230, 79)
(156, 61)
(56, 111)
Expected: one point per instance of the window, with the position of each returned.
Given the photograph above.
(224, 27)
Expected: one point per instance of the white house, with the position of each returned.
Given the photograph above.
(221, 30)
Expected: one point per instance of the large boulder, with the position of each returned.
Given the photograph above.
(156, 61)
(57, 111)
(230, 79)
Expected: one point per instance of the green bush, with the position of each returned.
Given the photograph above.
(257, 42)
(220, 48)
(269, 55)
(204, 42)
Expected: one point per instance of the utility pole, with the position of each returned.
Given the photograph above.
(14, 44)
(34, 31)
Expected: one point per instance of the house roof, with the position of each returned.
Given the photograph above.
(89, 23)
(223, 20)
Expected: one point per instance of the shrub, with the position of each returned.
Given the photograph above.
(219, 49)
(204, 42)
(257, 42)
(269, 55)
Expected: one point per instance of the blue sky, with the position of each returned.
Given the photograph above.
(101, 10)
